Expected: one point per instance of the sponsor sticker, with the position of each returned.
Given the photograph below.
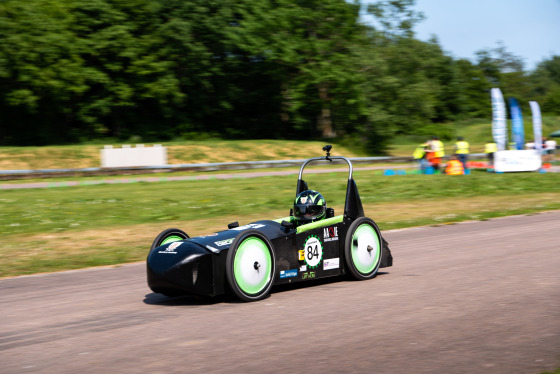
(313, 251)
(249, 226)
(207, 235)
(170, 248)
(288, 273)
(308, 275)
(330, 234)
(221, 243)
(301, 254)
(174, 245)
(331, 263)
(303, 268)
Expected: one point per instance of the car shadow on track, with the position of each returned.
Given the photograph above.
(192, 300)
(331, 281)
(230, 298)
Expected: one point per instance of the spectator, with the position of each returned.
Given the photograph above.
(461, 148)
(437, 152)
(420, 154)
(550, 147)
(490, 148)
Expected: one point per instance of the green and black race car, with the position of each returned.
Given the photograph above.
(309, 244)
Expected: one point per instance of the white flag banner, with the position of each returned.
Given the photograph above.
(537, 124)
(499, 125)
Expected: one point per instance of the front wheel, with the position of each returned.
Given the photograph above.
(169, 236)
(363, 248)
(250, 266)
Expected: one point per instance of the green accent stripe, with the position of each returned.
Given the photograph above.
(279, 220)
(321, 223)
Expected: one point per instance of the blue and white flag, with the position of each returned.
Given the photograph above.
(537, 124)
(517, 130)
(499, 125)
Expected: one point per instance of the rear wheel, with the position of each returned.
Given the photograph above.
(250, 266)
(169, 236)
(363, 248)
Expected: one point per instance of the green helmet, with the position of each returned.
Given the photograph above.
(309, 206)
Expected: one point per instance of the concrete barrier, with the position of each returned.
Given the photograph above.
(128, 156)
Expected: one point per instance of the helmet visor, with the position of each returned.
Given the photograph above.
(303, 211)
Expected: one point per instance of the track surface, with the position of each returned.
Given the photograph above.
(478, 297)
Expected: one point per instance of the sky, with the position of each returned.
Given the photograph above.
(529, 29)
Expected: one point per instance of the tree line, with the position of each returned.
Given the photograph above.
(77, 70)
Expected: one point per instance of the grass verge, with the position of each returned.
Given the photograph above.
(73, 227)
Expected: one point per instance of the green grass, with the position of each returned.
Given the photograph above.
(73, 208)
(71, 227)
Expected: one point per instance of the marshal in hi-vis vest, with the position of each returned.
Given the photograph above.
(462, 147)
(437, 147)
(490, 148)
(420, 151)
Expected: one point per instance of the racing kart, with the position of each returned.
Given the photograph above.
(249, 259)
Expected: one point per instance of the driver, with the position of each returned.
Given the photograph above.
(309, 206)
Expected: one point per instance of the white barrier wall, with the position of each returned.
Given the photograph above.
(133, 156)
(520, 160)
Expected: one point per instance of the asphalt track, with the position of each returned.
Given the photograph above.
(475, 297)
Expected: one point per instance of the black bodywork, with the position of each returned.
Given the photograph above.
(197, 266)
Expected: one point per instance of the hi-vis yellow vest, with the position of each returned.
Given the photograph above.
(462, 147)
(437, 147)
(490, 147)
(419, 151)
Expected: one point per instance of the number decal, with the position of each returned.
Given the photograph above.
(313, 251)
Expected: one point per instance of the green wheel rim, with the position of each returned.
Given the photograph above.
(252, 266)
(171, 239)
(365, 260)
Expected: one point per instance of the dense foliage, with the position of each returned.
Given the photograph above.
(75, 70)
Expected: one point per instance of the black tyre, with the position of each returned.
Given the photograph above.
(169, 236)
(250, 265)
(363, 248)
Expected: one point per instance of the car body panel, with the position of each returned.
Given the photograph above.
(197, 265)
